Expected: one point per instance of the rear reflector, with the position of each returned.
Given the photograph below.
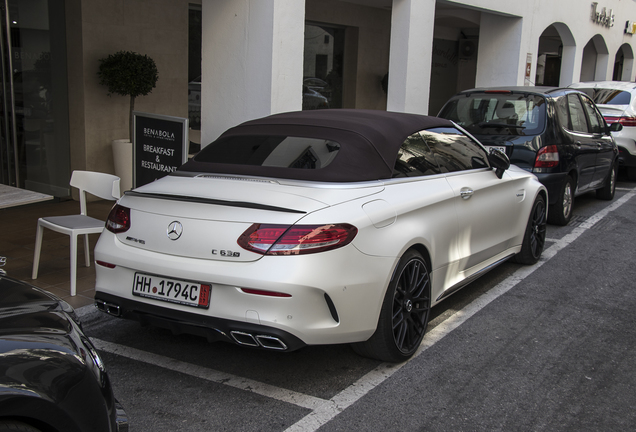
(204, 296)
(265, 293)
(105, 264)
(270, 239)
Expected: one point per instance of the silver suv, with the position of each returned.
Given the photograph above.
(617, 102)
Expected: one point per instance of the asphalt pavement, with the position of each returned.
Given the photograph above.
(549, 347)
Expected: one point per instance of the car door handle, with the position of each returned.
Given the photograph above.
(578, 144)
(466, 193)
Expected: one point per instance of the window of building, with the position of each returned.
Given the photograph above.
(323, 66)
(34, 145)
(194, 66)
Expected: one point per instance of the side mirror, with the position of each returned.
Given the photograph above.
(616, 127)
(499, 161)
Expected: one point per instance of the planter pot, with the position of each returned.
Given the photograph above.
(123, 159)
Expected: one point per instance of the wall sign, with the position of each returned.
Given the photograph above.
(602, 17)
(527, 80)
(159, 146)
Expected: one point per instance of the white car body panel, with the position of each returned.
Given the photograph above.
(335, 226)
(625, 138)
(411, 212)
(210, 226)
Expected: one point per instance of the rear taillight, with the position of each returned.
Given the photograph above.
(269, 239)
(625, 121)
(118, 220)
(547, 157)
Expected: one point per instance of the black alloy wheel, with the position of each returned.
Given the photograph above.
(534, 236)
(404, 315)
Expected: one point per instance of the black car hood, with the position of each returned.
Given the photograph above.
(25, 309)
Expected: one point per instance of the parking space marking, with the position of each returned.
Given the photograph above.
(357, 390)
(322, 410)
(246, 384)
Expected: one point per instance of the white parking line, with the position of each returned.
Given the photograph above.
(325, 410)
(246, 384)
(357, 390)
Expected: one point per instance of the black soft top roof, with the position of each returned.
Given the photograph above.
(369, 142)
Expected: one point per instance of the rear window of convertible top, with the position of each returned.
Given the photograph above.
(271, 151)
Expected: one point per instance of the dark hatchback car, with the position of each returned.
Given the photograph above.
(558, 134)
(51, 377)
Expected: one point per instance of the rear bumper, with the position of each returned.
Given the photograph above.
(625, 158)
(332, 297)
(212, 328)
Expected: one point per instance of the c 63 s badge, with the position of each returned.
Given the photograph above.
(226, 253)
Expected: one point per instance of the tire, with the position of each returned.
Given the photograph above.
(16, 426)
(534, 237)
(560, 212)
(404, 314)
(608, 189)
(631, 173)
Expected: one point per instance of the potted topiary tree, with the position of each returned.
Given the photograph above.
(130, 74)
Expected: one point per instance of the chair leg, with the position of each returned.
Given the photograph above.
(87, 254)
(38, 249)
(73, 263)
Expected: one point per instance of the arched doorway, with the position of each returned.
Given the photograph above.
(624, 64)
(555, 56)
(595, 61)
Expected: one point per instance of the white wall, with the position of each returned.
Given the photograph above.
(253, 49)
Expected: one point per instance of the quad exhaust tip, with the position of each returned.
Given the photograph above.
(262, 341)
(109, 308)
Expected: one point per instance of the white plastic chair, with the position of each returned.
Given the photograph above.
(105, 186)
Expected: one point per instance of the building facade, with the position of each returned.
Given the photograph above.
(222, 62)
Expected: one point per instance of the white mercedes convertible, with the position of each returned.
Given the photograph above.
(319, 227)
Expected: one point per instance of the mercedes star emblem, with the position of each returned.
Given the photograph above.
(174, 230)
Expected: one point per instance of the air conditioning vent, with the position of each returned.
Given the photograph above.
(467, 49)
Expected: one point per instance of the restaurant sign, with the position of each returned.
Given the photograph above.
(159, 147)
(602, 16)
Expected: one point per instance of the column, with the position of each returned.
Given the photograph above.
(499, 44)
(412, 24)
(252, 61)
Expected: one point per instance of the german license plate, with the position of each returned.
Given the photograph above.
(172, 290)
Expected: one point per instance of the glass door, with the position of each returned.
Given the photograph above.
(34, 139)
